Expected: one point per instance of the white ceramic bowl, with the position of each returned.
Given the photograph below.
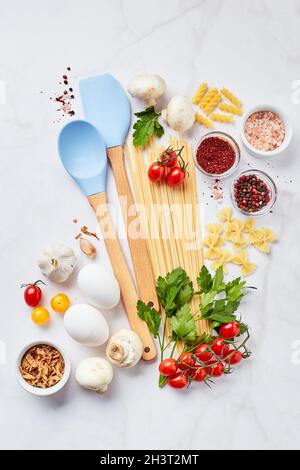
(43, 391)
(288, 131)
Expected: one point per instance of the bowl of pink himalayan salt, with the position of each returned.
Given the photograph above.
(265, 131)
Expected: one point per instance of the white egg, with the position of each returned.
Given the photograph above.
(99, 286)
(86, 325)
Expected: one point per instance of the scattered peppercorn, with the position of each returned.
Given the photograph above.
(251, 193)
(215, 155)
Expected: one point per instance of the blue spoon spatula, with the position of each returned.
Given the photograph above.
(83, 154)
(106, 105)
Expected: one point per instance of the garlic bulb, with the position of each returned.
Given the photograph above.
(180, 114)
(57, 262)
(124, 349)
(147, 87)
(94, 373)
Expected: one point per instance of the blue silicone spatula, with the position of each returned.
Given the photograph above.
(83, 154)
(106, 105)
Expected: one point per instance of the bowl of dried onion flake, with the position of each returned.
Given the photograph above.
(265, 131)
(42, 368)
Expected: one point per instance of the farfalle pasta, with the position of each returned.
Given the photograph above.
(214, 229)
(242, 260)
(225, 215)
(223, 257)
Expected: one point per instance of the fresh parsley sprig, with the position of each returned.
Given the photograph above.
(146, 126)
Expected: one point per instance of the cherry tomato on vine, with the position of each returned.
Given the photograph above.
(32, 293)
(219, 347)
(229, 330)
(176, 176)
(168, 367)
(216, 369)
(178, 380)
(156, 172)
(203, 353)
(169, 157)
(40, 315)
(236, 357)
(60, 303)
(186, 361)
(199, 375)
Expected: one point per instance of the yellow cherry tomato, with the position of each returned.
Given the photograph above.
(40, 315)
(60, 303)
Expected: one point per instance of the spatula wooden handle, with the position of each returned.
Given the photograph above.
(138, 247)
(122, 273)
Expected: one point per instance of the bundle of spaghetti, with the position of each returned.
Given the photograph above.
(200, 92)
(230, 108)
(171, 218)
(231, 97)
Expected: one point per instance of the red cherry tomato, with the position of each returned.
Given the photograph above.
(203, 353)
(168, 367)
(186, 361)
(219, 348)
(156, 172)
(32, 293)
(176, 176)
(169, 158)
(236, 357)
(178, 380)
(216, 369)
(229, 330)
(199, 375)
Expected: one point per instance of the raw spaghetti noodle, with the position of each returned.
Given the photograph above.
(178, 217)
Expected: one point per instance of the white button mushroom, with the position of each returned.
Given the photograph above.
(57, 262)
(94, 373)
(180, 114)
(147, 87)
(124, 349)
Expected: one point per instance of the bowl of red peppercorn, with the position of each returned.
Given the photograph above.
(217, 154)
(253, 192)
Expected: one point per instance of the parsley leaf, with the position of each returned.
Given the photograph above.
(183, 325)
(150, 316)
(204, 280)
(146, 125)
(174, 290)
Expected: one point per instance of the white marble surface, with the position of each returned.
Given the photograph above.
(251, 47)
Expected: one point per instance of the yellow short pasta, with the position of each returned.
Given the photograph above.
(229, 108)
(225, 214)
(231, 97)
(209, 95)
(223, 257)
(203, 120)
(213, 241)
(200, 92)
(213, 103)
(214, 229)
(219, 117)
(246, 266)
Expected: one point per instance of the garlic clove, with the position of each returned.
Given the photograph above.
(87, 248)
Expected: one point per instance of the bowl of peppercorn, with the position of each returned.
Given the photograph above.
(253, 192)
(217, 154)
